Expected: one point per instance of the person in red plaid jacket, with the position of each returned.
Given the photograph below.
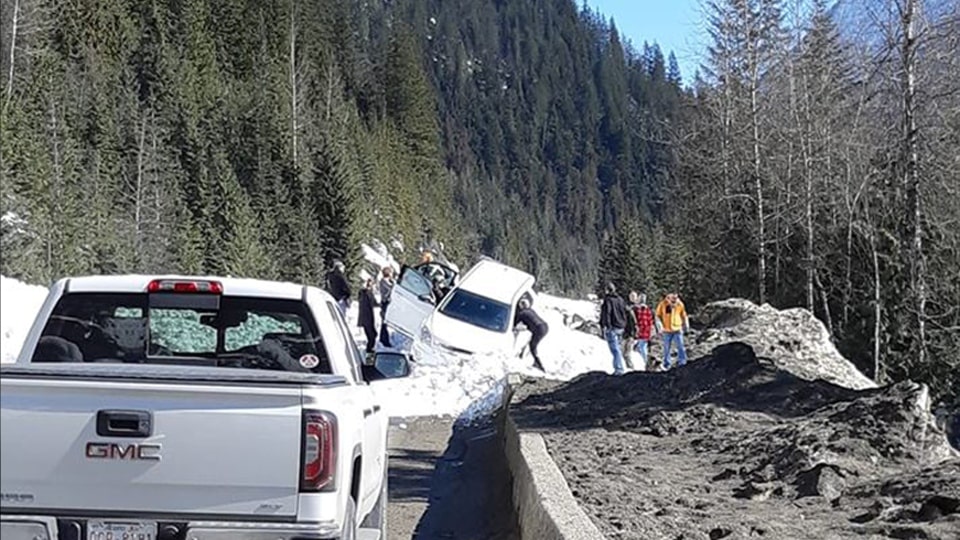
(645, 328)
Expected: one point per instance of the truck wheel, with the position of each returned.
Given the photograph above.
(377, 518)
(349, 530)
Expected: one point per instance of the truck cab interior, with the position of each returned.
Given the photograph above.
(239, 332)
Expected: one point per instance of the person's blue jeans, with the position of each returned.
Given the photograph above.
(643, 346)
(670, 339)
(614, 337)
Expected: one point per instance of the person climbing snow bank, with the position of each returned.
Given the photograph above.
(537, 326)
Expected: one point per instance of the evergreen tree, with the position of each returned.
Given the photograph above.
(244, 254)
(673, 70)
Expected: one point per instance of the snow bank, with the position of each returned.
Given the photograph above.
(449, 384)
(378, 256)
(19, 304)
(585, 309)
(794, 339)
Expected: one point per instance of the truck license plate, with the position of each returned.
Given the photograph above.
(121, 530)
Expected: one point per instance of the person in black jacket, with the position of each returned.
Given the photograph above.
(537, 327)
(386, 291)
(367, 302)
(613, 320)
(338, 287)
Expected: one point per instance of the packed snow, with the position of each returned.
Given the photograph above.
(379, 257)
(19, 304)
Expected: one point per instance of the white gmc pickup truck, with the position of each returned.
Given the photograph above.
(177, 408)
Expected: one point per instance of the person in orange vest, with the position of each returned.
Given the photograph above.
(672, 322)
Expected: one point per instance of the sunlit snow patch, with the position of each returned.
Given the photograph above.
(19, 304)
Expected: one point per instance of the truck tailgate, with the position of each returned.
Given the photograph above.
(212, 449)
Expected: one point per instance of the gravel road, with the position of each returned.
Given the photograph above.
(449, 482)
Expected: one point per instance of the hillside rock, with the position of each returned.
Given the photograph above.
(734, 446)
(793, 339)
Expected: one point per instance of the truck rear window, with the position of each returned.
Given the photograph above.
(226, 331)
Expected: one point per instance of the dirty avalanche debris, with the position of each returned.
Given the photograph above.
(738, 446)
(794, 339)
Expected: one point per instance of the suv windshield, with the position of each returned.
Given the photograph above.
(242, 332)
(477, 310)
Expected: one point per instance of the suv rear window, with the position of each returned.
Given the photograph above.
(168, 328)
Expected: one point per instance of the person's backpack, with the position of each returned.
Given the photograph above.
(631, 328)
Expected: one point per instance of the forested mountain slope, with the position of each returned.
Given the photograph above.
(553, 126)
(242, 137)
(262, 138)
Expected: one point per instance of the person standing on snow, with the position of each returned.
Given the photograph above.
(386, 289)
(338, 287)
(672, 321)
(367, 301)
(629, 331)
(613, 319)
(537, 326)
(644, 316)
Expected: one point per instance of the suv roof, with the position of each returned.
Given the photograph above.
(495, 281)
(231, 286)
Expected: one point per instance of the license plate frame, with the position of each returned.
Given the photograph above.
(117, 529)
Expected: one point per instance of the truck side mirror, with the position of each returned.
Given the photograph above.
(387, 365)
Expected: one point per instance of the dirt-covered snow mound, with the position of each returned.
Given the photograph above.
(794, 339)
(733, 446)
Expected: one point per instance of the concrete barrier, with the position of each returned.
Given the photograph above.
(545, 506)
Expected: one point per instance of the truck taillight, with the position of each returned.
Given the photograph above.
(184, 286)
(319, 451)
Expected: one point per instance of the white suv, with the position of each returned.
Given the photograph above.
(476, 315)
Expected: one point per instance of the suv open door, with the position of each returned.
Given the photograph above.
(414, 297)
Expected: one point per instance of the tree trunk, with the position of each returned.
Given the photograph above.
(725, 153)
(293, 84)
(138, 191)
(825, 302)
(13, 50)
(877, 307)
(848, 282)
(57, 188)
(911, 179)
(808, 196)
(758, 183)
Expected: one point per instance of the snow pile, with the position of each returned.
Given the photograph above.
(794, 339)
(447, 384)
(378, 257)
(19, 304)
(443, 383)
(585, 310)
(566, 351)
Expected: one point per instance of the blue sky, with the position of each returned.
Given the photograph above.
(674, 24)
